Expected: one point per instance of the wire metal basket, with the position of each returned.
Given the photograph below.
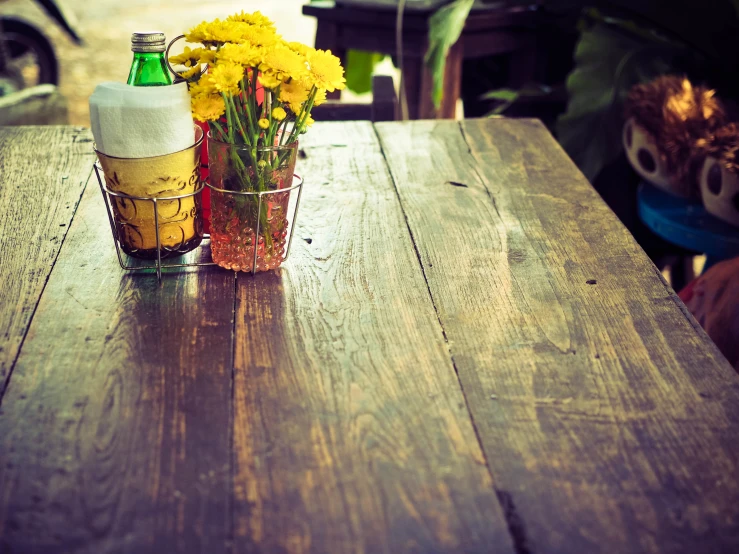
(163, 254)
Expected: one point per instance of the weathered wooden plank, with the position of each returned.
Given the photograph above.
(351, 433)
(43, 171)
(114, 433)
(609, 420)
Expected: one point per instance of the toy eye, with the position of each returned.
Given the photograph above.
(629, 134)
(646, 160)
(713, 180)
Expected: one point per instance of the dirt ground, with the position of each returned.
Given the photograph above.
(106, 27)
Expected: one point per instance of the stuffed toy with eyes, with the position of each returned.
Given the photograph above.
(719, 177)
(669, 123)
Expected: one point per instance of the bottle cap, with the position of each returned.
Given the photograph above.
(148, 41)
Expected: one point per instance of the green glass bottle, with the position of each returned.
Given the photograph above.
(148, 68)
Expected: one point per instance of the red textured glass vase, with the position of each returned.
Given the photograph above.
(249, 204)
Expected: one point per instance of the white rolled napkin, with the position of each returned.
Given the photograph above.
(140, 122)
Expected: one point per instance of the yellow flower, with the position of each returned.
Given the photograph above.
(187, 55)
(197, 33)
(206, 55)
(294, 93)
(243, 54)
(227, 76)
(191, 58)
(216, 32)
(208, 107)
(299, 48)
(204, 86)
(256, 36)
(269, 81)
(190, 72)
(325, 70)
(241, 47)
(283, 63)
(256, 18)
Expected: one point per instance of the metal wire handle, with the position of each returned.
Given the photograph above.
(166, 52)
(166, 59)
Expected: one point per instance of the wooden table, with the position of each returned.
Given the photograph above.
(466, 352)
(498, 28)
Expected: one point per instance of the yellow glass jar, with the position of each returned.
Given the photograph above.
(180, 220)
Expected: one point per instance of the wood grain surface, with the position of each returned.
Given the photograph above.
(115, 428)
(351, 433)
(465, 352)
(609, 420)
(38, 196)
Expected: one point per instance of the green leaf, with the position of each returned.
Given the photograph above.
(608, 62)
(512, 95)
(359, 68)
(505, 94)
(445, 28)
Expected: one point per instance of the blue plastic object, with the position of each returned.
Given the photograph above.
(686, 223)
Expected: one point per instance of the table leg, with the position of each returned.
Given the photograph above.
(412, 83)
(452, 81)
(422, 91)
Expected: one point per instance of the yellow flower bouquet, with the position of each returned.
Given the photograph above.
(255, 91)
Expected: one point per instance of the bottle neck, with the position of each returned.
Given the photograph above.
(149, 69)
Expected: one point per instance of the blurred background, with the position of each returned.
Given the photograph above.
(106, 27)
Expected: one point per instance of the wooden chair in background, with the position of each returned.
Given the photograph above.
(490, 29)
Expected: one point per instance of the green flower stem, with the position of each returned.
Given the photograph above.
(236, 117)
(239, 109)
(283, 135)
(271, 130)
(253, 95)
(274, 125)
(221, 133)
(251, 124)
(243, 203)
(300, 123)
(228, 119)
